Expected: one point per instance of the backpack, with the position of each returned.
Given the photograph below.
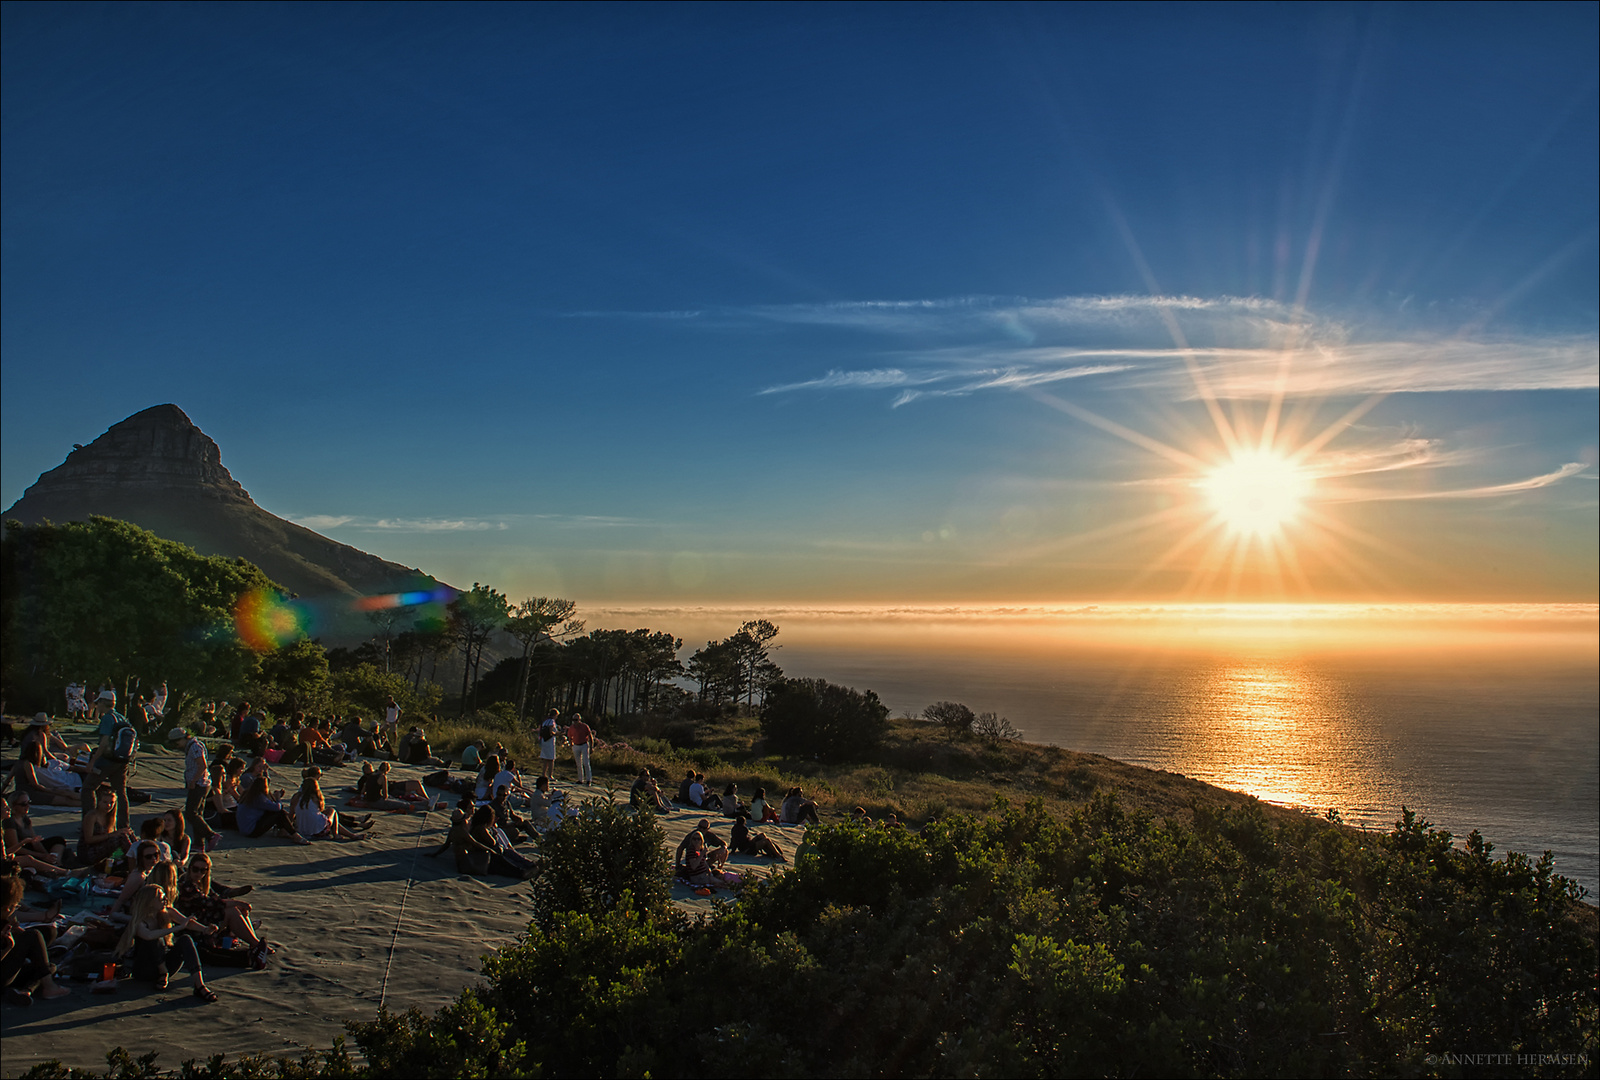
(124, 743)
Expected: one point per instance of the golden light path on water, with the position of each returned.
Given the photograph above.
(1270, 732)
(1476, 716)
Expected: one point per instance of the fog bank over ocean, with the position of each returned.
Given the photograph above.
(1476, 716)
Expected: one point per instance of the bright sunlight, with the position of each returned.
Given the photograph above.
(1257, 492)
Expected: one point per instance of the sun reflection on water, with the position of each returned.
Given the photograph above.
(1282, 732)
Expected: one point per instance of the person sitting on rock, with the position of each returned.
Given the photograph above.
(696, 864)
(25, 967)
(34, 858)
(378, 791)
(507, 820)
(414, 749)
(707, 843)
(156, 949)
(797, 809)
(481, 851)
(259, 811)
(224, 798)
(313, 819)
(44, 855)
(645, 794)
(761, 811)
(220, 906)
(43, 785)
(97, 838)
(459, 821)
(544, 806)
(745, 842)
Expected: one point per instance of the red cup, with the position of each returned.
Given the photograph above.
(108, 973)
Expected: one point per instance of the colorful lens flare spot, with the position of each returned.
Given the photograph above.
(442, 595)
(266, 623)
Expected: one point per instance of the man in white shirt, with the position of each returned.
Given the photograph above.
(197, 779)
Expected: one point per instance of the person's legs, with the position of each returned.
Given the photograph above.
(580, 755)
(240, 926)
(197, 825)
(26, 963)
(185, 953)
(118, 779)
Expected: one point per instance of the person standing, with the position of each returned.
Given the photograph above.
(77, 707)
(391, 720)
(158, 702)
(110, 761)
(581, 737)
(548, 733)
(197, 780)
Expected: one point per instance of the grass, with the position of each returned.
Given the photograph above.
(918, 773)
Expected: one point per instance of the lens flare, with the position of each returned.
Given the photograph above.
(266, 623)
(384, 601)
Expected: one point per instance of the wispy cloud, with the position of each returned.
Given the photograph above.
(368, 524)
(323, 521)
(589, 521)
(1242, 347)
(1487, 491)
(950, 383)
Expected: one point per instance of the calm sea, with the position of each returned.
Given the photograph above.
(1473, 717)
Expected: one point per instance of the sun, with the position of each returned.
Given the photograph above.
(1257, 492)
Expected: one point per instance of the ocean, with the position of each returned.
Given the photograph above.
(1475, 717)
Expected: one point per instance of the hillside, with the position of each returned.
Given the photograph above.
(161, 472)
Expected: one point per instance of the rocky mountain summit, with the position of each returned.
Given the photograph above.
(159, 471)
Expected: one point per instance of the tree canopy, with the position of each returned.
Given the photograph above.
(107, 600)
(818, 718)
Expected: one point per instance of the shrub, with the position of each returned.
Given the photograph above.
(995, 729)
(589, 863)
(817, 718)
(955, 718)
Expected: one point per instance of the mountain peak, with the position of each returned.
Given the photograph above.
(157, 449)
(159, 471)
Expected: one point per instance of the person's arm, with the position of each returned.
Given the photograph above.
(472, 843)
(189, 923)
(129, 887)
(151, 932)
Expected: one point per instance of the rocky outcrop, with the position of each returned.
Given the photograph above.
(159, 471)
(157, 450)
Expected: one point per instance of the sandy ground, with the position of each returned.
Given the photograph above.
(357, 924)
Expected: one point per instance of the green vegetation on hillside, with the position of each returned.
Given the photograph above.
(1105, 942)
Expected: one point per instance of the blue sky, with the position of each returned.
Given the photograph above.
(837, 302)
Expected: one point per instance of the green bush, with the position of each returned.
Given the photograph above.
(589, 864)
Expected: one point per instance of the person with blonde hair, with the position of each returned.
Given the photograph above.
(146, 857)
(157, 949)
(312, 817)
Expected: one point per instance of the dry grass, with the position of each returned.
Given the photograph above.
(917, 773)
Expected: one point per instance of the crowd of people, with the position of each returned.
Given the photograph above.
(167, 921)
